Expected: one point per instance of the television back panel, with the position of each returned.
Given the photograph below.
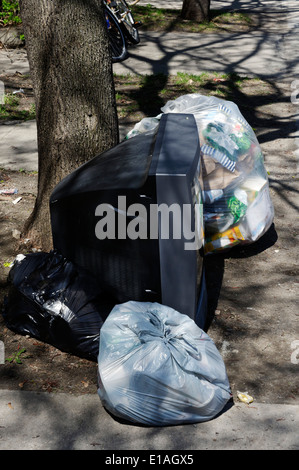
(151, 170)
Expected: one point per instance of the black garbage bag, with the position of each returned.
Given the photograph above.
(53, 300)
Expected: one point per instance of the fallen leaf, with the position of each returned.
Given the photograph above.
(21, 384)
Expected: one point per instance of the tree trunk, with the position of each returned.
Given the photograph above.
(72, 77)
(197, 10)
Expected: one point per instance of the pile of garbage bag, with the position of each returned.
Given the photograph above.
(55, 302)
(237, 205)
(157, 367)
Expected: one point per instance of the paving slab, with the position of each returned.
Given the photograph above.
(260, 54)
(47, 421)
(18, 146)
(269, 52)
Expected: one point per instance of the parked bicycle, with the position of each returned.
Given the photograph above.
(122, 28)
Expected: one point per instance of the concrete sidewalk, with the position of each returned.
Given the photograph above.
(269, 52)
(44, 421)
(18, 146)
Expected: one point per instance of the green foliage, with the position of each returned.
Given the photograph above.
(167, 19)
(11, 110)
(10, 13)
(144, 95)
(16, 356)
(11, 100)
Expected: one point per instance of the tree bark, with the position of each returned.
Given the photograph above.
(197, 10)
(71, 71)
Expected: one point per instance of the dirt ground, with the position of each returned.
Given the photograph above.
(253, 290)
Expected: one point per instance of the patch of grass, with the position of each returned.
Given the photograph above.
(10, 13)
(11, 100)
(235, 17)
(16, 357)
(145, 95)
(11, 110)
(139, 96)
(183, 78)
(164, 19)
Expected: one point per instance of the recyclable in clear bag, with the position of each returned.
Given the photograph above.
(236, 197)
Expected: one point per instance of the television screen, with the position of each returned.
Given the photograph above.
(132, 216)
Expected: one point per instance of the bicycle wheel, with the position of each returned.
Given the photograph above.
(116, 38)
(127, 21)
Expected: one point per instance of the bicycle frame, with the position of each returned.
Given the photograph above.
(123, 20)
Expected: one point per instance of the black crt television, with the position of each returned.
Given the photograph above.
(132, 216)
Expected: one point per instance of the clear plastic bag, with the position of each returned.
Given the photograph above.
(236, 197)
(157, 367)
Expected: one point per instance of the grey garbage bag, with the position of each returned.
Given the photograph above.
(157, 367)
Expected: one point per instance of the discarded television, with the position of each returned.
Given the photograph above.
(132, 216)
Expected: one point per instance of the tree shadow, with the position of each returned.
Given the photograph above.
(256, 53)
(215, 266)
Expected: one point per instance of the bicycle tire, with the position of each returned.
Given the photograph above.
(118, 46)
(127, 22)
